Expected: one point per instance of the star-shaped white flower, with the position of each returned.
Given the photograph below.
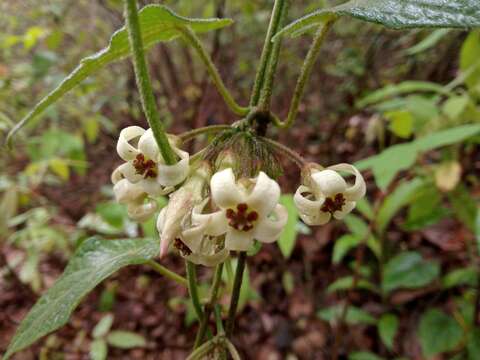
(327, 194)
(192, 243)
(139, 206)
(249, 210)
(144, 164)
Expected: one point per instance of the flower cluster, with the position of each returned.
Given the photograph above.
(210, 214)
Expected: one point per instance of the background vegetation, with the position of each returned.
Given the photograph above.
(398, 279)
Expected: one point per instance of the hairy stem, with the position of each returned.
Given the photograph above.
(189, 135)
(217, 279)
(237, 284)
(143, 82)
(305, 74)
(162, 270)
(190, 37)
(266, 91)
(267, 51)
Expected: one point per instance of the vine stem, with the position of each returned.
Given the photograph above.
(267, 51)
(189, 135)
(217, 279)
(305, 74)
(266, 91)
(191, 38)
(193, 289)
(237, 284)
(143, 82)
(162, 270)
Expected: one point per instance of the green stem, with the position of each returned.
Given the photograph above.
(237, 284)
(266, 91)
(202, 350)
(218, 319)
(286, 151)
(191, 38)
(217, 279)
(267, 51)
(143, 82)
(189, 135)
(232, 350)
(162, 270)
(193, 289)
(305, 74)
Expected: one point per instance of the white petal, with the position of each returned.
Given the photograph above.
(238, 240)
(152, 187)
(321, 218)
(225, 192)
(171, 175)
(193, 237)
(269, 230)
(147, 145)
(305, 205)
(208, 260)
(216, 223)
(116, 175)
(126, 192)
(264, 196)
(129, 172)
(347, 208)
(164, 242)
(328, 183)
(142, 211)
(124, 148)
(358, 190)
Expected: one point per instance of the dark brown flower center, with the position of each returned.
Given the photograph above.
(145, 167)
(333, 204)
(241, 219)
(180, 246)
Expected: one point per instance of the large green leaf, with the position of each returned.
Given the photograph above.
(387, 329)
(94, 261)
(397, 14)
(438, 333)
(388, 163)
(409, 270)
(158, 24)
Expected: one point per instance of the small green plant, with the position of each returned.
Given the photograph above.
(225, 199)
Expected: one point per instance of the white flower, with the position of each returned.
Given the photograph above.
(327, 194)
(144, 164)
(249, 210)
(139, 206)
(180, 206)
(193, 243)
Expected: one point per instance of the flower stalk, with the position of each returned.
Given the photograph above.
(237, 285)
(143, 82)
(162, 270)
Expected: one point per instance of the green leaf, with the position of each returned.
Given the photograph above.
(356, 225)
(158, 24)
(98, 350)
(363, 355)
(286, 242)
(387, 329)
(345, 283)
(343, 245)
(430, 41)
(455, 106)
(459, 277)
(125, 339)
(103, 326)
(477, 229)
(400, 197)
(354, 316)
(469, 59)
(60, 168)
(438, 333)
(397, 14)
(408, 270)
(405, 87)
(94, 261)
(426, 210)
(473, 345)
(388, 163)
(401, 123)
(464, 206)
